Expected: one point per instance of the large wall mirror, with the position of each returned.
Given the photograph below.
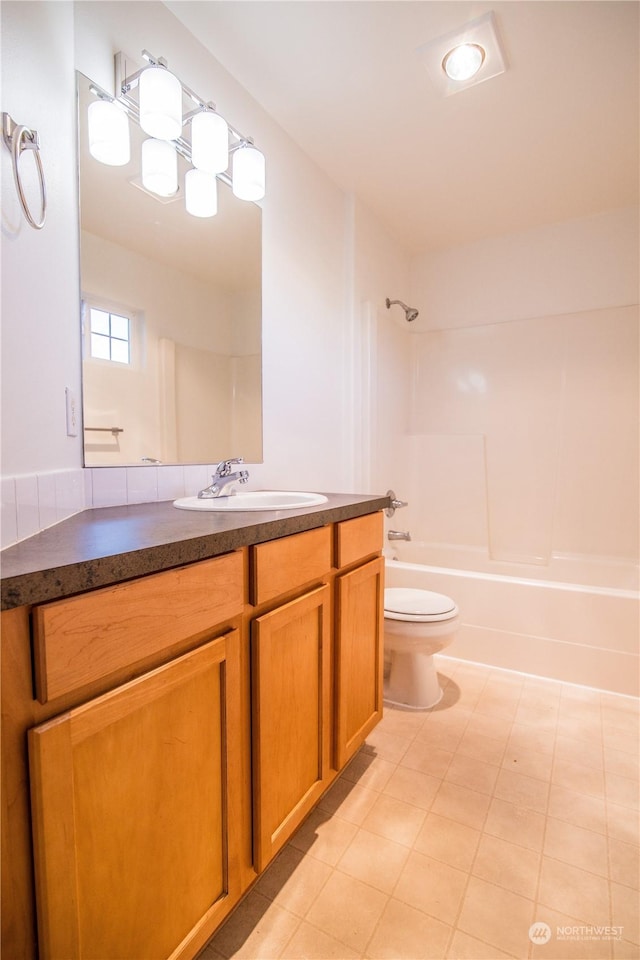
(171, 319)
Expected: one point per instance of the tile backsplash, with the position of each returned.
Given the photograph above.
(33, 502)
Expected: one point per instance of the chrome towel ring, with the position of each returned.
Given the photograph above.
(18, 139)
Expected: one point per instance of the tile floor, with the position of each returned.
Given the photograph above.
(452, 831)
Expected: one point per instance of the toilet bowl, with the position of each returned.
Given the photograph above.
(417, 624)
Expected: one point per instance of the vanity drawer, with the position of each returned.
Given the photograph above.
(280, 566)
(358, 538)
(86, 638)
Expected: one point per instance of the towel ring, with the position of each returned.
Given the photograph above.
(19, 138)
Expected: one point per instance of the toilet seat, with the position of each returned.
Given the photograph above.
(417, 606)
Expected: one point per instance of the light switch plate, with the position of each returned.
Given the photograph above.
(72, 412)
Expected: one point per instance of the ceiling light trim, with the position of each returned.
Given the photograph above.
(481, 32)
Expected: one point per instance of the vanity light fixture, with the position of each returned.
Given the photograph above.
(153, 98)
(464, 57)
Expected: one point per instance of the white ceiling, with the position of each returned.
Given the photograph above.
(554, 137)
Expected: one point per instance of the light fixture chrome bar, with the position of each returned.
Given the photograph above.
(124, 84)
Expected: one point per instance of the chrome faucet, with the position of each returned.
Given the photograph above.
(399, 535)
(222, 478)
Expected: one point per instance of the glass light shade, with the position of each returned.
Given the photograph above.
(464, 61)
(209, 142)
(159, 167)
(201, 193)
(108, 127)
(248, 174)
(160, 103)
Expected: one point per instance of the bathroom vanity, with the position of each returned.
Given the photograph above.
(178, 691)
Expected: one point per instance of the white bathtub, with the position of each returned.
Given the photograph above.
(531, 617)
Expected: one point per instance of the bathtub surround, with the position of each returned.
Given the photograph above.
(517, 446)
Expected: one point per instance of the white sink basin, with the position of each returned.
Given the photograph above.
(256, 500)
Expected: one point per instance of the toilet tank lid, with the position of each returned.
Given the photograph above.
(417, 603)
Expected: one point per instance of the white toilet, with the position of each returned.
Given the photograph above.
(417, 624)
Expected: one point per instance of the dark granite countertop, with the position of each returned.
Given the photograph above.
(103, 546)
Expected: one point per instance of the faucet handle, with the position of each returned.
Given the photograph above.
(223, 469)
(394, 504)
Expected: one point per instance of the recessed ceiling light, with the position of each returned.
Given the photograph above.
(464, 61)
(464, 57)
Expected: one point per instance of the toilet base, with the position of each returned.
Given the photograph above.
(413, 681)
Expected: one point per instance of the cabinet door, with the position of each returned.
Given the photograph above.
(359, 656)
(132, 796)
(290, 717)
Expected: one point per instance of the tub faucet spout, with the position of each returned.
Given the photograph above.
(399, 535)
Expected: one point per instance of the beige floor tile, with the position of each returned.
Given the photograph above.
(209, 953)
(455, 721)
(626, 742)
(464, 947)
(624, 863)
(474, 744)
(293, 881)
(497, 916)
(348, 801)
(495, 706)
(626, 721)
(525, 791)
(389, 746)
(322, 838)
(568, 940)
(446, 840)
(572, 807)
(577, 777)
(624, 950)
(507, 865)
(528, 739)
(589, 731)
(495, 728)
(413, 787)
(374, 860)
(585, 710)
(458, 803)
(516, 824)
(473, 773)
(574, 892)
(622, 791)
(309, 943)
(368, 771)
(624, 912)
(443, 736)
(622, 824)
(623, 764)
(403, 723)
(536, 765)
(579, 751)
(576, 694)
(574, 845)
(347, 910)
(257, 928)
(431, 886)
(408, 934)
(543, 718)
(395, 820)
(427, 759)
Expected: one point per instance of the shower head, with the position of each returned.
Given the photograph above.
(410, 312)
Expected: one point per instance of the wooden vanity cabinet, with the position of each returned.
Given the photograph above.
(133, 795)
(133, 781)
(180, 727)
(316, 668)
